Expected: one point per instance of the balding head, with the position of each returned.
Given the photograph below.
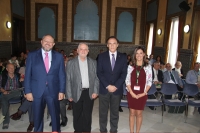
(168, 66)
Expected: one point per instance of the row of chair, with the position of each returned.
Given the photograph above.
(189, 91)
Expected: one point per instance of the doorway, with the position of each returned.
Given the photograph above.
(18, 36)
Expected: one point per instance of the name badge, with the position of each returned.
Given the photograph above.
(137, 88)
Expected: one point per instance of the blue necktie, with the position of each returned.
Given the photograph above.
(172, 77)
(113, 61)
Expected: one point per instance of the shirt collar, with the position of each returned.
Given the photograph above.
(43, 52)
(115, 53)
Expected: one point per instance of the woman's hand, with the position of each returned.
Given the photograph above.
(141, 95)
(134, 95)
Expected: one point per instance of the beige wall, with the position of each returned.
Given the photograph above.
(188, 21)
(115, 3)
(5, 13)
(128, 4)
(161, 22)
(69, 20)
(60, 8)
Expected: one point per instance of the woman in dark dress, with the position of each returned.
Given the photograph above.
(138, 82)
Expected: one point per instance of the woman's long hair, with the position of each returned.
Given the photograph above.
(134, 61)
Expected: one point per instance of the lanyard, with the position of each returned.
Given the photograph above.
(137, 74)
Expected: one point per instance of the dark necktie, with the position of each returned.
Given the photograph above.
(172, 77)
(113, 61)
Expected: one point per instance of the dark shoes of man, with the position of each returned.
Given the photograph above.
(120, 109)
(62, 124)
(5, 126)
(69, 107)
(30, 127)
(16, 116)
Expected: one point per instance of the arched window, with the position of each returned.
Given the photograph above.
(86, 21)
(125, 27)
(46, 20)
(125, 24)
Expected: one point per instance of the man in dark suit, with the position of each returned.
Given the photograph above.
(45, 83)
(111, 70)
(157, 76)
(82, 88)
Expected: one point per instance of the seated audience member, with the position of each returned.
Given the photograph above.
(25, 107)
(63, 113)
(21, 59)
(172, 77)
(9, 87)
(157, 76)
(178, 68)
(2, 67)
(162, 67)
(159, 59)
(151, 59)
(14, 61)
(193, 76)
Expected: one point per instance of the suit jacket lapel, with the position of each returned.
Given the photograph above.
(107, 61)
(53, 59)
(89, 69)
(77, 69)
(117, 62)
(40, 58)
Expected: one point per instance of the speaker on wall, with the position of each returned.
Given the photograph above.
(184, 6)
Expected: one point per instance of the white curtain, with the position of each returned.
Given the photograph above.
(198, 57)
(150, 39)
(173, 42)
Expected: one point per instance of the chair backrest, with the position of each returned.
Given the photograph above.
(190, 89)
(152, 90)
(18, 99)
(168, 89)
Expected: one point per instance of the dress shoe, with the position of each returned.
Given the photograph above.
(30, 127)
(5, 126)
(63, 124)
(50, 124)
(69, 107)
(120, 109)
(15, 116)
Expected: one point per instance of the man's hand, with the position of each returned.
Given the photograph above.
(155, 82)
(111, 88)
(70, 99)
(21, 79)
(6, 92)
(60, 96)
(29, 97)
(198, 85)
(94, 95)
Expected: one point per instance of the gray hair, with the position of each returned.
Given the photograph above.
(81, 43)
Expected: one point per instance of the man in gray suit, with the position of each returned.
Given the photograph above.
(171, 76)
(82, 88)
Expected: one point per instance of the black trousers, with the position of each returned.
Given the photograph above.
(63, 110)
(106, 102)
(82, 113)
